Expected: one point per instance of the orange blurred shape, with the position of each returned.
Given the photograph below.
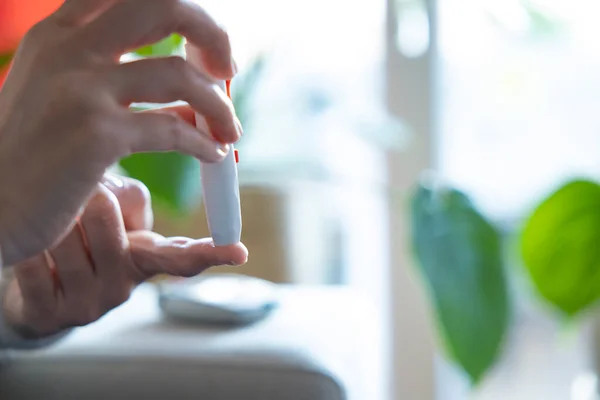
(17, 16)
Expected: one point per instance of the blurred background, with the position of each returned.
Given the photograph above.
(345, 104)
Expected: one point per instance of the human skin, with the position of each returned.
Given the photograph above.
(109, 251)
(64, 115)
(64, 119)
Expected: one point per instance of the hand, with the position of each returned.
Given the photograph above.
(64, 115)
(100, 261)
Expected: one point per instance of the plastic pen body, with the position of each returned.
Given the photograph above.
(221, 194)
(220, 188)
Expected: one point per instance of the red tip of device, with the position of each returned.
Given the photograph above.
(228, 86)
(236, 155)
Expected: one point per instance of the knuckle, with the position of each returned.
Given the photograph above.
(172, 123)
(177, 65)
(171, 120)
(74, 101)
(103, 203)
(98, 128)
(75, 87)
(175, 127)
(138, 191)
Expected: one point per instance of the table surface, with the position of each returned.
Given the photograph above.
(324, 329)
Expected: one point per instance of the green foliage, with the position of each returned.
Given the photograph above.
(172, 178)
(459, 253)
(243, 89)
(5, 59)
(168, 46)
(560, 247)
(542, 23)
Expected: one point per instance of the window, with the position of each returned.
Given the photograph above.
(520, 98)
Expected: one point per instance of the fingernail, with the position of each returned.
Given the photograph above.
(234, 67)
(223, 149)
(114, 181)
(238, 125)
(148, 218)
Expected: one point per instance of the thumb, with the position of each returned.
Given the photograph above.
(134, 199)
(153, 254)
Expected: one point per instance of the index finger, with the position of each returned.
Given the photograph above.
(129, 24)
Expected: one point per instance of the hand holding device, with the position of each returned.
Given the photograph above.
(69, 113)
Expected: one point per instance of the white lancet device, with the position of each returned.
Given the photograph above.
(220, 187)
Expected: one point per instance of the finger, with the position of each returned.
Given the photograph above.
(134, 200)
(37, 284)
(75, 270)
(153, 254)
(197, 56)
(106, 238)
(132, 23)
(79, 12)
(185, 112)
(165, 80)
(165, 132)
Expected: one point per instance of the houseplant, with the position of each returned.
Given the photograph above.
(464, 258)
(470, 262)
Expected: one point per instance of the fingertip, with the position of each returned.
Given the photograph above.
(221, 151)
(219, 67)
(234, 67)
(224, 133)
(235, 255)
(215, 62)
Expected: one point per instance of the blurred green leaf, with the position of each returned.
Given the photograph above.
(542, 23)
(5, 59)
(243, 89)
(172, 178)
(560, 246)
(460, 256)
(168, 46)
